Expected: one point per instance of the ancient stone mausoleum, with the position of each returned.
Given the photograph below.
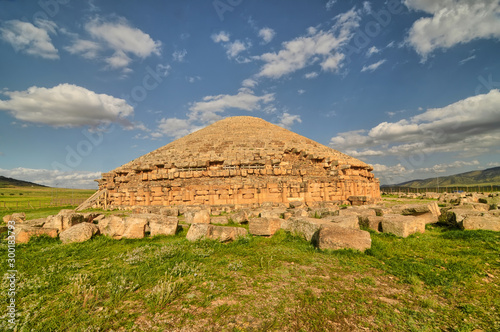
(239, 160)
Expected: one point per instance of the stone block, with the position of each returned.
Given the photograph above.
(197, 216)
(484, 222)
(165, 226)
(112, 226)
(170, 211)
(23, 235)
(264, 226)
(220, 233)
(303, 226)
(335, 237)
(219, 220)
(78, 233)
(402, 226)
(135, 227)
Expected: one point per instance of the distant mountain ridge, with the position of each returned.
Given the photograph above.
(490, 176)
(6, 182)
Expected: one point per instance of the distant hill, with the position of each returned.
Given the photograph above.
(6, 182)
(490, 176)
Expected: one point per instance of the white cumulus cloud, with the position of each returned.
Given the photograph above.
(323, 46)
(470, 126)
(117, 37)
(30, 39)
(452, 22)
(65, 105)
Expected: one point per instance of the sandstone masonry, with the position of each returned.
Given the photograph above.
(239, 160)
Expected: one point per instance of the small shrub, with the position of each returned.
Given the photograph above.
(483, 200)
(493, 206)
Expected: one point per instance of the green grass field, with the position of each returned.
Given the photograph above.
(26, 198)
(445, 280)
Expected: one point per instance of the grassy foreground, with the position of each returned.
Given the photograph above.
(445, 280)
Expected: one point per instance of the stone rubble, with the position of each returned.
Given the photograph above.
(325, 225)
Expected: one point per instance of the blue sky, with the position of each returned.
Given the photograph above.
(411, 86)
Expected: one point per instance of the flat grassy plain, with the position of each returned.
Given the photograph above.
(26, 198)
(442, 280)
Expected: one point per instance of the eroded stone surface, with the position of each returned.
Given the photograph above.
(78, 233)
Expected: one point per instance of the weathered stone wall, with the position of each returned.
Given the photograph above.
(276, 181)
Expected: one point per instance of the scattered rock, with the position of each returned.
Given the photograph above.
(485, 222)
(7, 218)
(197, 216)
(135, 227)
(304, 227)
(169, 211)
(402, 226)
(272, 213)
(219, 220)
(220, 233)
(164, 226)
(336, 237)
(264, 226)
(374, 223)
(240, 217)
(295, 204)
(23, 235)
(112, 226)
(79, 233)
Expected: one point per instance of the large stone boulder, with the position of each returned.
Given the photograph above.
(170, 211)
(402, 226)
(429, 213)
(485, 222)
(240, 217)
(164, 226)
(476, 206)
(264, 226)
(23, 234)
(336, 237)
(220, 233)
(7, 218)
(322, 212)
(112, 226)
(373, 222)
(272, 213)
(197, 216)
(304, 227)
(78, 233)
(219, 220)
(64, 220)
(135, 227)
(455, 216)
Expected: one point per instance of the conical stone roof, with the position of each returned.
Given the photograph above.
(241, 140)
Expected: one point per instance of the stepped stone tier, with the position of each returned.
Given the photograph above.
(240, 160)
